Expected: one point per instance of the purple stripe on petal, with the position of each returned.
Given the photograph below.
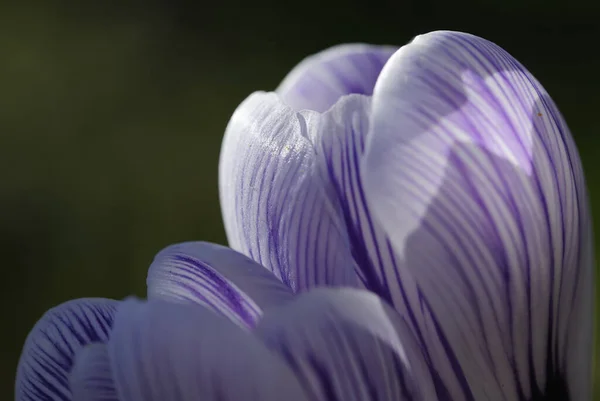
(47, 357)
(218, 278)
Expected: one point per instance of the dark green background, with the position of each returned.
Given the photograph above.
(111, 118)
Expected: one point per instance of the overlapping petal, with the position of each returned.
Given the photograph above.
(181, 352)
(47, 357)
(276, 205)
(321, 79)
(339, 148)
(218, 278)
(277, 208)
(346, 344)
(473, 175)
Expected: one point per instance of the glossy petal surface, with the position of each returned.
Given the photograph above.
(275, 202)
(47, 357)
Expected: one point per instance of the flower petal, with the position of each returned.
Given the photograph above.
(165, 351)
(217, 277)
(47, 357)
(321, 79)
(474, 176)
(340, 140)
(346, 344)
(274, 201)
(91, 378)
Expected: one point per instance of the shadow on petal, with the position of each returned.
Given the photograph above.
(473, 175)
(178, 352)
(320, 80)
(346, 344)
(91, 378)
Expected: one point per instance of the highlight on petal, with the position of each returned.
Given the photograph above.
(347, 344)
(47, 357)
(165, 351)
(473, 175)
(91, 377)
(321, 79)
(216, 277)
(276, 206)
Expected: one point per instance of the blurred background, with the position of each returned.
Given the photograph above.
(112, 115)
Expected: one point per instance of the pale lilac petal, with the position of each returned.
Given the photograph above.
(216, 277)
(178, 352)
(472, 173)
(346, 345)
(91, 378)
(47, 357)
(277, 208)
(321, 79)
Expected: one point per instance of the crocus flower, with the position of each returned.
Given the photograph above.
(442, 177)
(411, 224)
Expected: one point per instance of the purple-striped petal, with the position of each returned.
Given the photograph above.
(47, 357)
(321, 79)
(165, 351)
(91, 377)
(276, 207)
(345, 345)
(458, 193)
(473, 175)
(339, 147)
(216, 277)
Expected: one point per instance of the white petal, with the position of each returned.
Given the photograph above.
(276, 207)
(473, 174)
